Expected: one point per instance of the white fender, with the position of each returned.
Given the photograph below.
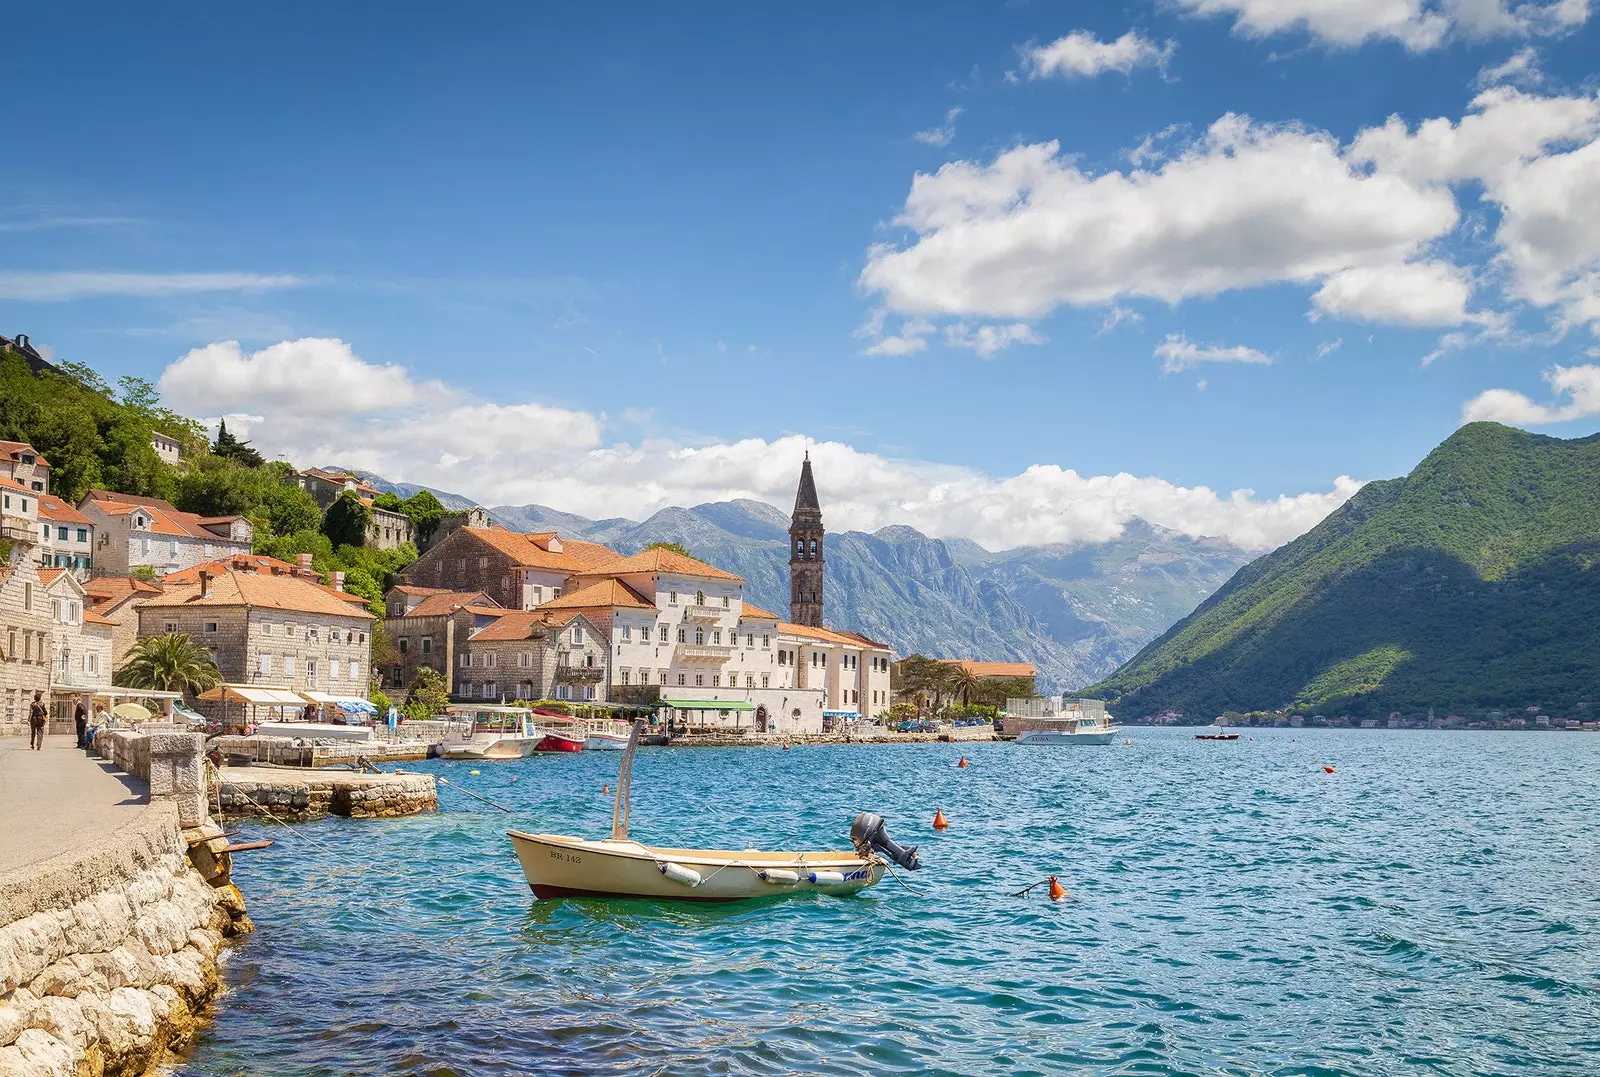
(680, 874)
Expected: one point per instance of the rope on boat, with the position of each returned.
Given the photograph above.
(474, 796)
(890, 865)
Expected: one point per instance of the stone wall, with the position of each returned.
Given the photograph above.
(108, 952)
(295, 796)
(172, 763)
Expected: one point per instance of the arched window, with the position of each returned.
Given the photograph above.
(799, 545)
(699, 598)
(699, 635)
(813, 546)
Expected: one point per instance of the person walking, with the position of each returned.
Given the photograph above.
(80, 721)
(36, 719)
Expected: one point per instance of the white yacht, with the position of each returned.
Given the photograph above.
(1075, 721)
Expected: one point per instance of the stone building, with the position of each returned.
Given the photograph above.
(277, 631)
(167, 448)
(80, 645)
(385, 530)
(22, 464)
(428, 627)
(24, 637)
(476, 516)
(805, 552)
(66, 537)
(534, 654)
(519, 571)
(116, 600)
(134, 533)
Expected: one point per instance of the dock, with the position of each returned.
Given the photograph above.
(295, 795)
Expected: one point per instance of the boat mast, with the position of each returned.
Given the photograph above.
(619, 810)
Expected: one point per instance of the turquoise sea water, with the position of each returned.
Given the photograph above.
(1431, 907)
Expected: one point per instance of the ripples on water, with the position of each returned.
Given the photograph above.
(1429, 908)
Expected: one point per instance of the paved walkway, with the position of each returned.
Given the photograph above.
(57, 798)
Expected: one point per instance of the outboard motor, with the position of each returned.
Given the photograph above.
(869, 832)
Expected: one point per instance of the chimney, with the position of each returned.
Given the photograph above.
(338, 581)
(303, 565)
(205, 583)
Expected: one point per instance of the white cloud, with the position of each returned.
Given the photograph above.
(1247, 204)
(1177, 353)
(988, 339)
(1579, 385)
(59, 287)
(1413, 23)
(941, 135)
(1408, 293)
(528, 452)
(1116, 315)
(1520, 68)
(1328, 347)
(1080, 54)
(313, 376)
(908, 341)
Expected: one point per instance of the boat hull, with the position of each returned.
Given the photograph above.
(604, 742)
(556, 742)
(1058, 737)
(496, 750)
(557, 866)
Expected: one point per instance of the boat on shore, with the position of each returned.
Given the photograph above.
(560, 866)
(491, 733)
(1079, 722)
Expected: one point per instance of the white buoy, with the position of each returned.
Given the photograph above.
(680, 874)
(780, 877)
(826, 878)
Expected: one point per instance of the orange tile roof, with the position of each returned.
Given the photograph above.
(412, 589)
(991, 669)
(109, 592)
(828, 635)
(241, 562)
(14, 449)
(57, 511)
(258, 591)
(525, 553)
(519, 624)
(447, 602)
(606, 594)
(48, 576)
(753, 612)
(164, 519)
(90, 617)
(663, 561)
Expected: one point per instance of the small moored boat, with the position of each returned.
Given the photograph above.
(1215, 733)
(558, 866)
(606, 735)
(491, 733)
(1080, 721)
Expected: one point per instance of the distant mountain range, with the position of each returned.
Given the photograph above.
(1076, 610)
(1471, 584)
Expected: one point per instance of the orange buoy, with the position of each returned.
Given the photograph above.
(1057, 891)
(1127, 742)
(1327, 770)
(939, 821)
(604, 789)
(963, 762)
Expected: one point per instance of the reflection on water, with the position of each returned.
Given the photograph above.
(1428, 907)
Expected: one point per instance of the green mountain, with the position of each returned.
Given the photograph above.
(1471, 584)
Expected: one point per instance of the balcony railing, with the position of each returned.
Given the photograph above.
(17, 529)
(702, 654)
(703, 613)
(580, 674)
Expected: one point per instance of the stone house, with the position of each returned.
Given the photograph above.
(80, 645)
(66, 537)
(385, 530)
(533, 654)
(166, 448)
(24, 639)
(116, 600)
(275, 631)
(476, 516)
(22, 464)
(428, 627)
(519, 571)
(148, 533)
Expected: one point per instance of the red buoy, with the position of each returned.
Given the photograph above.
(1057, 891)
(963, 762)
(939, 821)
(1327, 770)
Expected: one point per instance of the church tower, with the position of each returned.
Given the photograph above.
(805, 553)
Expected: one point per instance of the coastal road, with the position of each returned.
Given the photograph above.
(58, 798)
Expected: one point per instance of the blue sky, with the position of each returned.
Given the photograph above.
(607, 257)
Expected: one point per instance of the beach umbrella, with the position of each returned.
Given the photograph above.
(133, 712)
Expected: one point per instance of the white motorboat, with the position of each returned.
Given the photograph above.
(491, 732)
(1079, 722)
(606, 735)
(558, 866)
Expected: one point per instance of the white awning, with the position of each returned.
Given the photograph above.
(249, 693)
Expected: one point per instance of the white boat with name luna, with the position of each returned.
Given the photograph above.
(559, 866)
(1075, 722)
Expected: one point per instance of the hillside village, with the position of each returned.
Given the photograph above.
(472, 612)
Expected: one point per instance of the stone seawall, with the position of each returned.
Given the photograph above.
(295, 795)
(297, 752)
(108, 952)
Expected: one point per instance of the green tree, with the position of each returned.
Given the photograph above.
(230, 447)
(389, 502)
(289, 509)
(425, 513)
(346, 521)
(428, 695)
(671, 547)
(172, 662)
(358, 581)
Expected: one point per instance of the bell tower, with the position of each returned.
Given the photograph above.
(805, 553)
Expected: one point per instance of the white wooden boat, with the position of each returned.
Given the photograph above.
(606, 735)
(1081, 722)
(559, 866)
(491, 733)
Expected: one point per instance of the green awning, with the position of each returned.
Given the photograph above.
(709, 704)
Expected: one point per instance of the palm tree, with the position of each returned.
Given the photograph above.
(961, 681)
(169, 663)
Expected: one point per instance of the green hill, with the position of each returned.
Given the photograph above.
(1473, 583)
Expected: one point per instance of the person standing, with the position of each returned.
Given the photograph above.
(80, 721)
(36, 719)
